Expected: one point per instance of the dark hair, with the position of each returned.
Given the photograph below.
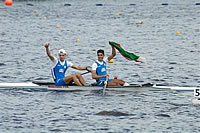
(100, 51)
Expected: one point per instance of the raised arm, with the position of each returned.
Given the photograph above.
(113, 53)
(48, 51)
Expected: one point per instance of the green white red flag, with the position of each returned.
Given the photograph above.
(126, 54)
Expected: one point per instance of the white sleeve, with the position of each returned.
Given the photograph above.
(94, 66)
(69, 64)
(54, 62)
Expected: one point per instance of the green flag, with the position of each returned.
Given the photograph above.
(126, 54)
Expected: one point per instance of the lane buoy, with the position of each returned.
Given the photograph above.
(99, 4)
(78, 40)
(165, 4)
(117, 14)
(177, 32)
(111, 61)
(140, 22)
(8, 2)
(57, 26)
(29, 4)
(35, 11)
(67, 4)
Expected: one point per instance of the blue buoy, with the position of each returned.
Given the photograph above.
(99, 4)
(29, 4)
(67, 4)
(165, 4)
(132, 4)
(197, 3)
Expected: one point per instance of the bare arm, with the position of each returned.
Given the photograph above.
(48, 51)
(81, 68)
(113, 53)
(95, 76)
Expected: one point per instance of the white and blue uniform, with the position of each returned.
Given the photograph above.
(100, 68)
(58, 71)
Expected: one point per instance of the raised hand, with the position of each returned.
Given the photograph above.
(46, 45)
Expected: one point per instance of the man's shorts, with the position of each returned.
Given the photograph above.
(60, 82)
(101, 83)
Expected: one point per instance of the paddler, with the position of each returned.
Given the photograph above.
(99, 71)
(60, 66)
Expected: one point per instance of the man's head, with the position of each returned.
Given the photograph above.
(100, 54)
(62, 54)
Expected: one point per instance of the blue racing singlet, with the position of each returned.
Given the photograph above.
(101, 70)
(58, 72)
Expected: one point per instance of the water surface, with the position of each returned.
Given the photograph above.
(171, 59)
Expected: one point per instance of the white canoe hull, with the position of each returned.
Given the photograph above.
(34, 86)
(177, 88)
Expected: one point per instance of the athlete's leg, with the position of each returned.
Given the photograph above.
(121, 82)
(71, 78)
(116, 82)
(111, 83)
(80, 78)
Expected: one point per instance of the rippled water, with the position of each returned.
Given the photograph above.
(171, 59)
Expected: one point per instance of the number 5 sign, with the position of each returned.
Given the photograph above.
(196, 93)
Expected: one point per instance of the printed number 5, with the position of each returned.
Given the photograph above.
(197, 92)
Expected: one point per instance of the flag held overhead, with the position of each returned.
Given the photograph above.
(126, 54)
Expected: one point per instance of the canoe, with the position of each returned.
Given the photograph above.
(51, 86)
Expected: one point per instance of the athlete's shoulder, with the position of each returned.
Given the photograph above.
(69, 63)
(94, 65)
(54, 62)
